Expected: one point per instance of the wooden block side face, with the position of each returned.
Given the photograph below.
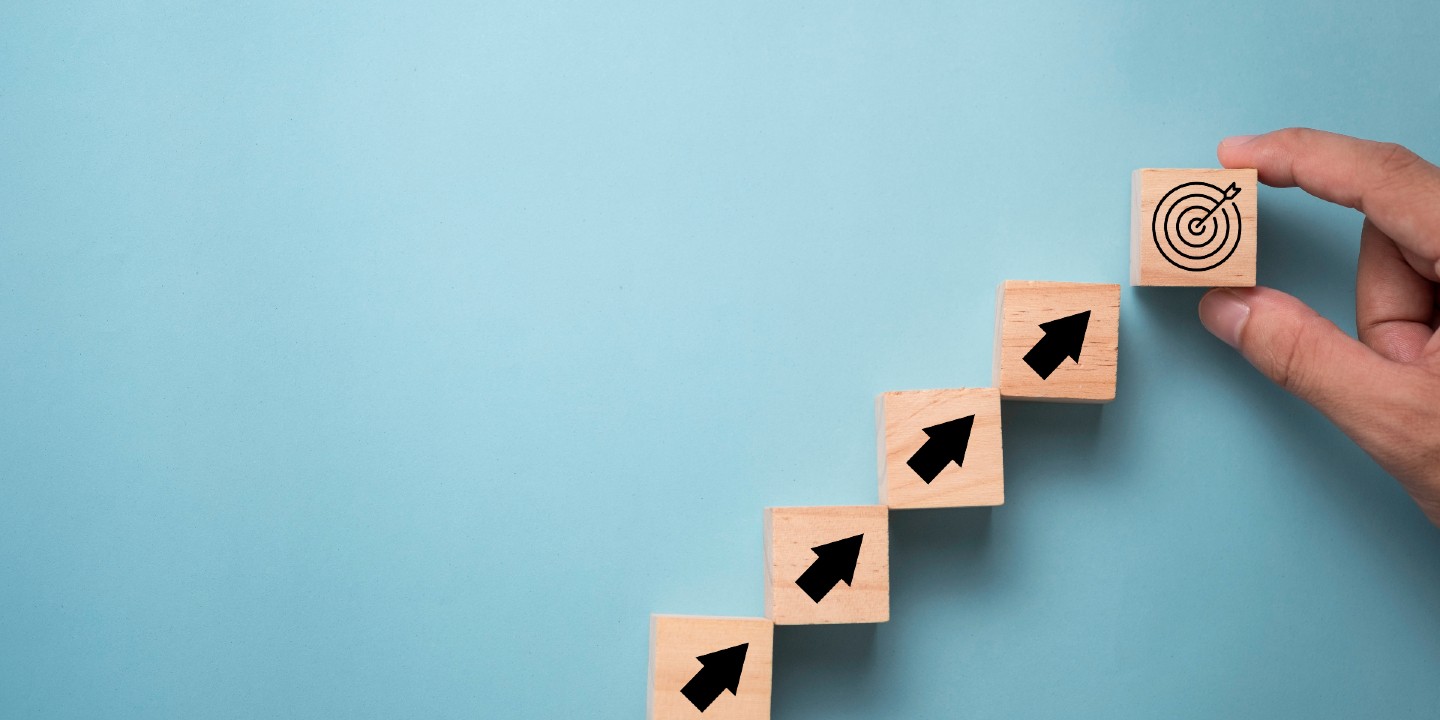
(1193, 227)
(812, 551)
(679, 678)
(1050, 349)
(923, 432)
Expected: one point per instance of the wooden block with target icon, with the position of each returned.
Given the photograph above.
(716, 668)
(826, 565)
(1057, 341)
(1193, 227)
(940, 448)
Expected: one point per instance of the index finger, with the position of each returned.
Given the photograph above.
(1396, 189)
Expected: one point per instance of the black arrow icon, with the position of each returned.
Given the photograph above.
(947, 442)
(1063, 338)
(834, 562)
(720, 672)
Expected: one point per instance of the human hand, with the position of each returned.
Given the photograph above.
(1383, 390)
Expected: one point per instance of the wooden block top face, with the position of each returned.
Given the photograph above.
(710, 668)
(827, 565)
(940, 448)
(1057, 341)
(1193, 227)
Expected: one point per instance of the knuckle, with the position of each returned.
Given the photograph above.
(1394, 167)
(1396, 159)
(1296, 360)
(1294, 136)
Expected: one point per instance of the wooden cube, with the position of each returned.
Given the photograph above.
(714, 668)
(827, 565)
(940, 448)
(1057, 341)
(1193, 227)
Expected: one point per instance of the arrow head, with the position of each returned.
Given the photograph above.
(955, 433)
(719, 671)
(948, 442)
(726, 666)
(841, 556)
(1068, 333)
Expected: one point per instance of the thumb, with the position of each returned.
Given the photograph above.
(1302, 352)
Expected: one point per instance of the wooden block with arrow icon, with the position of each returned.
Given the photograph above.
(940, 448)
(1193, 227)
(709, 667)
(1057, 341)
(827, 565)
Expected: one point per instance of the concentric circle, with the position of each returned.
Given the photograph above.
(1196, 227)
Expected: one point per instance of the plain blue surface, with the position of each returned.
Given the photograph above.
(368, 360)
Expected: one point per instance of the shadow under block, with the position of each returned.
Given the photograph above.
(1057, 341)
(940, 448)
(1193, 227)
(714, 668)
(827, 565)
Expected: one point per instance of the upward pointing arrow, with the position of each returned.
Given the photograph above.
(1063, 338)
(948, 442)
(720, 671)
(834, 562)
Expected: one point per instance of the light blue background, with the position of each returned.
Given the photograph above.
(378, 360)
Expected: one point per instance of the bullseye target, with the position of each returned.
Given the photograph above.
(1196, 226)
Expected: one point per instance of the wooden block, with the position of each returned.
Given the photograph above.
(1057, 341)
(827, 565)
(709, 667)
(1193, 227)
(940, 448)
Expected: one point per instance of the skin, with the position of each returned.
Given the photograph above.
(1382, 390)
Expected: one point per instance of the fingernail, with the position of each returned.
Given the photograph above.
(1237, 140)
(1223, 313)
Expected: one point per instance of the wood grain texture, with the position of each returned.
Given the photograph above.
(901, 419)
(790, 535)
(1021, 308)
(1148, 263)
(675, 643)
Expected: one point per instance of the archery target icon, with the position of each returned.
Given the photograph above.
(1196, 226)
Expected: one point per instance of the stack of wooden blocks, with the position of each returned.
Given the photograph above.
(1054, 341)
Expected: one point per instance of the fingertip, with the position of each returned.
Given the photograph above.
(1224, 312)
(1231, 149)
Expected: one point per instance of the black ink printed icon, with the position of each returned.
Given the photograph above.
(720, 671)
(1063, 338)
(946, 444)
(1196, 226)
(834, 563)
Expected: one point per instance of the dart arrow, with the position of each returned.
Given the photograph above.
(834, 562)
(1063, 338)
(1197, 224)
(721, 672)
(947, 443)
